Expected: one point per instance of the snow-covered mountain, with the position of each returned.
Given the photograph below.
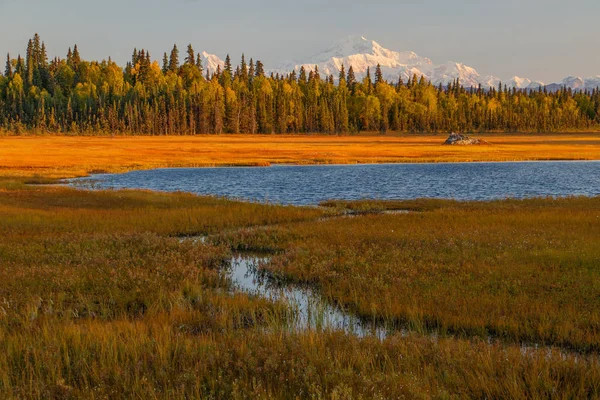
(576, 83)
(362, 53)
(210, 62)
(519, 83)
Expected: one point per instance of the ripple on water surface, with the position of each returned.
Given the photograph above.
(304, 185)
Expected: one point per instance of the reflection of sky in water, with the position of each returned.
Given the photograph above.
(312, 184)
(312, 311)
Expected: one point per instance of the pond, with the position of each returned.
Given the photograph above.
(309, 185)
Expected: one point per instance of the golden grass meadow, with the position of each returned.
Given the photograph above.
(64, 156)
(100, 297)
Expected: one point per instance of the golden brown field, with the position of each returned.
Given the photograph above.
(100, 299)
(62, 156)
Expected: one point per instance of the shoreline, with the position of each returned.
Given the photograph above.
(62, 180)
(64, 157)
(359, 164)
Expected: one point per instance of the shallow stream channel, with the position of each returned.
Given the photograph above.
(314, 313)
(311, 311)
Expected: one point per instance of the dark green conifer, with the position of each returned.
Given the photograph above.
(76, 58)
(8, 71)
(199, 63)
(351, 79)
(20, 68)
(191, 56)
(165, 65)
(29, 63)
(302, 78)
(378, 75)
(367, 81)
(37, 50)
(174, 59)
(228, 67)
(260, 68)
(244, 68)
(400, 82)
(342, 75)
(44, 55)
(251, 69)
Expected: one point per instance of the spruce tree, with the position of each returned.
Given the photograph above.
(44, 55)
(37, 50)
(20, 68)
(174, 59)
(228, 67)
(165, 65)
(8, 72)
(260, 68)
(351, 79)
(251, 70)
(367, 81)
(302, 78)
(199, 63)
(244, 68)
(135, 57)
(76, 58)
(342, 75)
(29, 63)
(378, 75)
(191, 56)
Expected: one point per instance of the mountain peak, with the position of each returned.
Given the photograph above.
(361, 53)
(211, 62)
(519, 83)
(348, 46)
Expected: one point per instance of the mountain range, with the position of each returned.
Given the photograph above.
(362, 54)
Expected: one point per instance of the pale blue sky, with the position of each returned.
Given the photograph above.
(539, 39)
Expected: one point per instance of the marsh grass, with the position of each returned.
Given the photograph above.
(517, 270)
(99, 298)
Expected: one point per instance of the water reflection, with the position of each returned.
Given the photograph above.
(312, 311)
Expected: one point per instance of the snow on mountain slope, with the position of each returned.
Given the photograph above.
(210, 62)
(467, 76)
(573, 82)
(536, 85)
(592, 82)
(362, 54)
(519, 83)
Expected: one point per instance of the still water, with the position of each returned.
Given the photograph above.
(312, 312)
(304, 185)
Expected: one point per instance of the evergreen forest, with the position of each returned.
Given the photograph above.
(179, 96)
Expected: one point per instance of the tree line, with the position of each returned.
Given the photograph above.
(76, 96)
